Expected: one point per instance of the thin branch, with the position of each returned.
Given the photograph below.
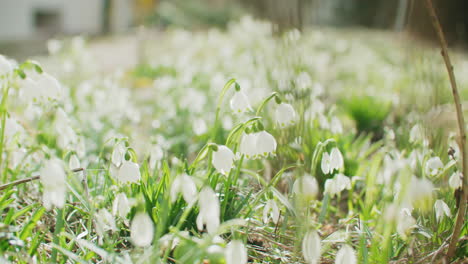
(461, 126)
(18, 182)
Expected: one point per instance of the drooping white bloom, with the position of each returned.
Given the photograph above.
(336, 185)
(156, 155)
(74, 162)
(335, 126)
(441, 209)
(53, 180)
(142, 230)
(104, 222)
(415, 134)
(346, 255)
(129, 172)
(12, 128)
(306, 186)
(66, 136)
(311, 247)
(223, 160)
(209, 210)
(419, 189)
(266, 144)
(456, 180)
(236, 253)
(48, 87)
(332, 161)
(185, 184)
(285, 115)
(5, 65)
(121, 205)
(271, 211)
(248, 145)
(405, 223)
(118, 154)
(199, 126)
(434, 166)
(240, 102)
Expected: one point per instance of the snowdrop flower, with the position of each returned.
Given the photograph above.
(346, 255)
(74, 162)
(332, 161)
(199, 126)
(336, 185)
(285, 115)
(209, 210)
(240, 102)
(156, 155)
(248, 144)
(456, 180)
(223, 159)
(12, 128)
(441, 209)
(236, 253)
(53, 180)
(271, 211)
(311, 247)
(415, 134)
(266, 144)
(118, 154)
(121, 205)
(5, 65)
(405, 223)
(185, 184)
(104, 222)
(420, 189)
(335, 126)
(66, 136)
(129, 172)
(306, 186)
(142, 230)
(434, 166)
(47, 87)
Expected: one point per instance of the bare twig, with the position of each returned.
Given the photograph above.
(18, 182)
(461, 126)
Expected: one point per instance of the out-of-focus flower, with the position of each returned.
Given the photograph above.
(240, 102)
(311, 247)
(209, 210)
(129, 172)
(199, 126)
(441, 209)
(236, 253)
(104, 222)
(156, 155)
(121, 205)
(332, 161)
(5, 65)
(223, 159)
(266, 144)
(405, 223)
(66, 136)
(74, 162)
(456, 180)
(346, 255)
(271, 211)
(335, 126)
(54, 46)
(185, 184)
(434, 166)
(142, 230)
(53, 180)
(118, 154)
(336, 185)
(306, 186)
(285, 115)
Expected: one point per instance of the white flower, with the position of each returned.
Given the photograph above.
(104, 222)
(121, 205)
(129, 172)
(311, 247)
(346, 255)
(223, 160)
(240, 102)
(142, 230)
(199, 126)
(236, 253)
(185, 184)
(118, 154)
(209, 210)
(415, 134)
(336, 185)
(332, 161)
(285, 115)
(266, 144)
(271, 211)
(405, 223)
(306, 186)
(48, 87)
(335, 126)
(66, 136)
(441, 209)
(5, 65)
(434, 166)
(456, 180)
(248, 145)
(156, 155)
(53, 180)
(419, 189)
(74, 162)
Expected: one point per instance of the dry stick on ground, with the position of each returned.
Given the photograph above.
(18, 182)
(461, 126)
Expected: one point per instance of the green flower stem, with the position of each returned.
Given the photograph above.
(263, 104)
(59, 223)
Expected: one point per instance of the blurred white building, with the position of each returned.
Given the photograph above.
(29, 19)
